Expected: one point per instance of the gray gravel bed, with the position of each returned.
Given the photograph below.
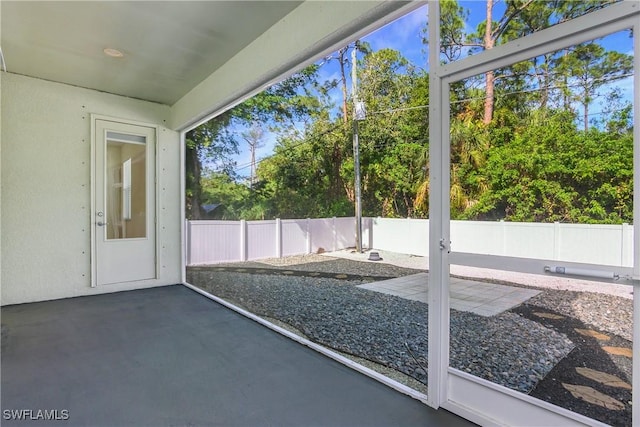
(610, 313)
(507, 349)
(605, 312)
(388, 372)
(325, 264)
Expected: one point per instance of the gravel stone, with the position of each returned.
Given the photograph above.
(609, 313)
(518, 348)
(508, 349)
(327, 264)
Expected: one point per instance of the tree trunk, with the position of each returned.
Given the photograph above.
(336, 155)
(194, 191)
(544, 81)
(488, 101)
(490, 75)
(343, 80)
(253, 165)
(565, 89)
(586, 116)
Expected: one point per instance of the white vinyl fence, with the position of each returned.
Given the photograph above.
(211, 242)
(585, 243)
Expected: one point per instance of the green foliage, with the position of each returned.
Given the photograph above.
(550, 171)
(534, 160)
(212, 143)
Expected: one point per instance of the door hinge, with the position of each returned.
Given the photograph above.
(443, 245)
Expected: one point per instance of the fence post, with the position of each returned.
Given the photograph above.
(503, 227)
(556, 240)
(278, 238)
(243, 240)
(626, 249)
(376, 224)
(308, 236)
(187, 242)
(369, 222)
(335, 235)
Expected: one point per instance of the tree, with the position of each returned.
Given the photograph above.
(300, 175)
(342, 56)
(391, 142)
(520, 18)
(530, 162)
(213, 143)
(589, 67)
(488, 34)
(551, 171)
(220, 188)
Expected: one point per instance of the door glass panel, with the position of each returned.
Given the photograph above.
(126, 190)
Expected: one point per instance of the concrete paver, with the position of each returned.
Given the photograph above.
(536, 280)
(484, 299)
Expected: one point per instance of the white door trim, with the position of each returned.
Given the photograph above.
(94, 118)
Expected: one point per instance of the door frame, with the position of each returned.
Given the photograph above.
(156, 210)
(474, 398)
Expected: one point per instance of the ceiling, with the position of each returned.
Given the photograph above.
(169, 46)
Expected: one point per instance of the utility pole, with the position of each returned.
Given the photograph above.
(358, 114)
(254, 137)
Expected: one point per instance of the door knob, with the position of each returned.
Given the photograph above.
(100, 223)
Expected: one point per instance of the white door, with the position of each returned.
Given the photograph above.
(125, 203)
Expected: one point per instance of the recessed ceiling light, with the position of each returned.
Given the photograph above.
(115, 53)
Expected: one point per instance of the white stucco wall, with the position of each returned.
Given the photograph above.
(46, 188)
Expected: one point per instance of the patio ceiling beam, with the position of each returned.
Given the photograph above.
(310, 31)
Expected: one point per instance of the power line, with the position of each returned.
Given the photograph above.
(542, 89)
(459, 101)
(381, 144)
(419, 107)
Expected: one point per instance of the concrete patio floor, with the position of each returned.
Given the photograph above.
(171, 357)
(485, 299)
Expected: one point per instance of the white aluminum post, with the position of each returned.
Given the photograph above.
(635, 416)
(635, 383)
(308, 235)
(438, 219)
(185, 234)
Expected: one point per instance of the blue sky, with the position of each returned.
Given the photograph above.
(405, 35)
